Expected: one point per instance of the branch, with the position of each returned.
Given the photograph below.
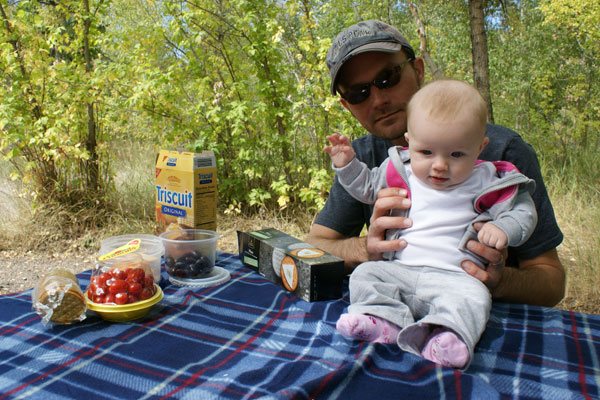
(435, 71)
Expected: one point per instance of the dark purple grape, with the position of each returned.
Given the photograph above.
(203, 265)
(182, 272)
(189, 265)
(170, 261)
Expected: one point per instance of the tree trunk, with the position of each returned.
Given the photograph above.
(91, 144)
(481, 74)
(433, 68)
(281, 131)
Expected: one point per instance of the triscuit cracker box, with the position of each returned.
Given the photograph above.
(186, 190)
(310, 273)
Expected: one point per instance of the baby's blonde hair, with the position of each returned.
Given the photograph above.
(448, 100)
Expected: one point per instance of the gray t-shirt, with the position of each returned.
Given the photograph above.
(345, 215)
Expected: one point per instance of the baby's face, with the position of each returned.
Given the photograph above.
(443, 153)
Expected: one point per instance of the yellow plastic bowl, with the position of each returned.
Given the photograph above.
(125, 312)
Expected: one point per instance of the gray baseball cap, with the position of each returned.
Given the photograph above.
(362, 37)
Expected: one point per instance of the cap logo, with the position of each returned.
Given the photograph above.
(369, 35)
(348, 36)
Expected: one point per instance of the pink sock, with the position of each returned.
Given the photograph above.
(367, 328)
(445, 348)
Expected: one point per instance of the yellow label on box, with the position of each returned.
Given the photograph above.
(186, 190)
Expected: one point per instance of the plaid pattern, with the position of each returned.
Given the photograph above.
(250, 339)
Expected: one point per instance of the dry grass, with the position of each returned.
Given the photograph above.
(56, 231)
(578, 216)
(228, 225)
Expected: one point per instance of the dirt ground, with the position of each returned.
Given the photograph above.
(22, 270)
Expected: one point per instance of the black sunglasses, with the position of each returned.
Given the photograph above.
(386, 79)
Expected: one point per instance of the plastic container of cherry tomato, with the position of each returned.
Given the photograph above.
(122, 285)
(151, 249)
(190, 256)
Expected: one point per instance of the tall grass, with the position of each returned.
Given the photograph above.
(15, 206)
(133, 198)
(574, 189)
(129, 207)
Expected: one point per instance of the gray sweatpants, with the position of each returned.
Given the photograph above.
(416, 297)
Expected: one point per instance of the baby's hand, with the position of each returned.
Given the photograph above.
(340, 151)
(492, 236)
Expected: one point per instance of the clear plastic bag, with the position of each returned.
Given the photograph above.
(58, 299)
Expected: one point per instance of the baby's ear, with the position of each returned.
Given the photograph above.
(484, 143)
(406, 136)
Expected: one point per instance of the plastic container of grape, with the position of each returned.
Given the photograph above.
(190, 256)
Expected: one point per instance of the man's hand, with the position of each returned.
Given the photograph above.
(493, 273)
(387, 199)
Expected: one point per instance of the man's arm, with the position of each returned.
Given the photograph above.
(352, 249)
(538, 281)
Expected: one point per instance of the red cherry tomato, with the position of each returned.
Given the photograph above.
(134, 288)
(149, 281)
(105, 276)
(132, 298)
(100, 292)
(117, 286)
(98, 282)
(136, 275)
(98, 299)
(145, 294)
(121, 298)
(119, 274)
(109, 299)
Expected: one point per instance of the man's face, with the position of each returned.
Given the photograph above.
(383, 113)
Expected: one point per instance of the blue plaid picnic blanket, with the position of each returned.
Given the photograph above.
(249, 338)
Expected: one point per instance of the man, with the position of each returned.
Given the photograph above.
(375, 71)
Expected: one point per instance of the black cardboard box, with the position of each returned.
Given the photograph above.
(310, 273)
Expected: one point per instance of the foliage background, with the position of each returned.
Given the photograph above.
(248, 81)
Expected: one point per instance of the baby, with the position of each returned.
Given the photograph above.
(421, 298)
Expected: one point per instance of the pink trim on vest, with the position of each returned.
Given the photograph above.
(505, 166)
(501, 166)
(486, 201)
(394, 179)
